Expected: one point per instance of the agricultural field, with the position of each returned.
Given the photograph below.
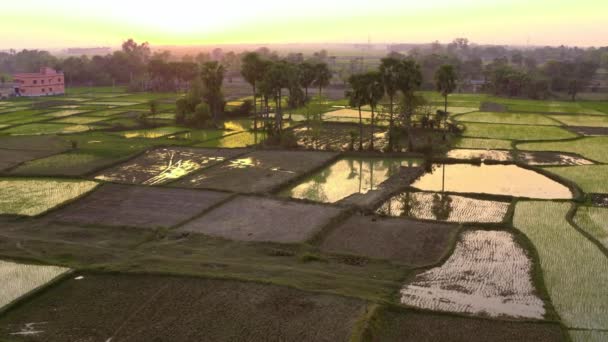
(508, 118)
(574, 268)
(593, 221)
(30, 197)
(473, 280)
(516, 132)
(216, 233)
(442, 207)
(594, 148)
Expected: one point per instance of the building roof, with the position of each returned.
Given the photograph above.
(44, 72)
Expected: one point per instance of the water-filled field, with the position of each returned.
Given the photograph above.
(348, 176)
(509, 180)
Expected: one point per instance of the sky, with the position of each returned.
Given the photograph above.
(83, 23)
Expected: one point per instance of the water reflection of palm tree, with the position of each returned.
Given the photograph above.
(442, 206)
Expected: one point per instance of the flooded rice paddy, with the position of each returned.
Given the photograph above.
(509, 180)
(444, 207)
(19, 279)
(348, 176)
(488, 273)
(30, 197)
(162, 165)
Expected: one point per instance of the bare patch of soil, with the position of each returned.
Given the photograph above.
(589, 131)
(421, 327)
(401, 240)
(155, 308)
(542, 158)
(263, 219)
(258, 172)
(137, 206)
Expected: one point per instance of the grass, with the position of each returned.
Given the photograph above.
(243, 139)
(593, 221)
(582, 120)
(574, 269)
(23, 196)
(152, 132)
(46, 128)
(590, 178)
(201, 134)
(482, 143)
(64, 113)
(67, 164)
(106, 112)
(516, 132)
(79, 120)
(507, 118)
(595, 148)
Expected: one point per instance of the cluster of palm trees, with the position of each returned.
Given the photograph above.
(395, 79)
(268, 78)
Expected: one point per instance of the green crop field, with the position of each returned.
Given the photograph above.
(46, 128)
(516, 132)
(591, 178)
(508, 118)
(574, 269)
(582, 120)
(593, 220)
(23, 196)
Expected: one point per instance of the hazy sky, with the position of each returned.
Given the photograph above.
(62, 23)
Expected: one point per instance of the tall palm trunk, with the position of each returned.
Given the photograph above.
(371, 142)
(255, 110)
(390, 124)
(360, 130)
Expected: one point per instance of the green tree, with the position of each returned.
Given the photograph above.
(573, 88)
(252, 69)
(307, 76)
(409, 80)
(322, 76)
(212, 75)
(374, 91)
(276, 79)
(357, 97)
(445, 83)
(389, 70)
(153, 105)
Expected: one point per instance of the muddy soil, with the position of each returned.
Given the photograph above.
(589, 131)
(400, 240)
(138, 206)
(156, 308)
(542, 158)
(422, 327)
(263, 219)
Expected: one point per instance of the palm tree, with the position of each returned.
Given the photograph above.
(357, 97)
(389, 69)
(374, 91)
(212, 75)
(445, 82)
(276, 79)
(322, 76)
(307, 76)
(252, 70)
(409, 79)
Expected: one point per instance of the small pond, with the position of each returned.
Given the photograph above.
(348, 176)
(509, 180)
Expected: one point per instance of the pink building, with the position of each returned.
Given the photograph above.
(46, 82)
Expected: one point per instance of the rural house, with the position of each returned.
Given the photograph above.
(46, 82)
